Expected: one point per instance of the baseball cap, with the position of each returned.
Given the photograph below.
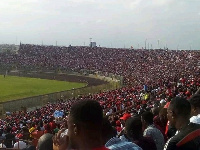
(125, 116)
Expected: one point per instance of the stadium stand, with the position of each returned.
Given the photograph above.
(152, 78)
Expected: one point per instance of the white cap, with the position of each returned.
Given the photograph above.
(162, 101)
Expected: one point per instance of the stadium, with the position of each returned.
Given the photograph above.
(175, 73)
(103, 96)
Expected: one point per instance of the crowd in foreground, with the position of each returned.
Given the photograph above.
(161, 111)
(85, 127)
(134, 118)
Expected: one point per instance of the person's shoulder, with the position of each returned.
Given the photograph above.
(116, 144)
(194, 125)
(9, 135)
(112, 141)
(190, 128)
(191, 140)
(124, 145)
(147, 139)
(153, 129)
(171, 143)
(181, 135)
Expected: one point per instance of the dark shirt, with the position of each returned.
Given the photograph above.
(171, 131)
(146, 143)
(193, 144)
(10, 139)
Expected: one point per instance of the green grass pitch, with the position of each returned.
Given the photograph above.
(13, 87)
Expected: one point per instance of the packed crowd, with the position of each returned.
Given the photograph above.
(136, 66)
(153, 114)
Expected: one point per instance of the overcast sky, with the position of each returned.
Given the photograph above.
(115, 23)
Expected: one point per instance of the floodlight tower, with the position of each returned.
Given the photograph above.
(145, 44)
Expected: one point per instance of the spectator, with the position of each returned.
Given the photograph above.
(45, 142)
(20, 145)
(2, 139)
(9, 138)
(32, 129)
(188, 133)
(108, 131)
(133, 130)
(22, 141)
(114, 143)
(47, 129)
(25, 133)
(195, 109)
(123, 121)
(160, 120)
(151, 131)
(85, 125)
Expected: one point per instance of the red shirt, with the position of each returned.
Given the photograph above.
(52, 125)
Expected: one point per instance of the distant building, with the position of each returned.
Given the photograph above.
(93, 44)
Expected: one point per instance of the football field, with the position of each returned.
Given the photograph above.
(13, 87)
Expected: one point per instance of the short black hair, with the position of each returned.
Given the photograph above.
(87, 111)
(181, 106)
(156, 111)
(134, 127)
(148, 117)
(195, 100)
(45, 142)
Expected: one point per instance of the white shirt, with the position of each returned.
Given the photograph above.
(21, 145)
(2, 145)
(195, 119)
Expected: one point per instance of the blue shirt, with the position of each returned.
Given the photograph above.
(117, 144)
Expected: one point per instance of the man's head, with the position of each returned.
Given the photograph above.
(108, 131)
(155, 111)
(45, 142)
(133, 128)
(84, 123)
(195, 105)
(179, 109)
(162, 103)
(147, 119)
(163, 115)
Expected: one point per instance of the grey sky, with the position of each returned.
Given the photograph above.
(109, 22)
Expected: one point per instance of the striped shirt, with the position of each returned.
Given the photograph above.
(117, 144)
(156, 135)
